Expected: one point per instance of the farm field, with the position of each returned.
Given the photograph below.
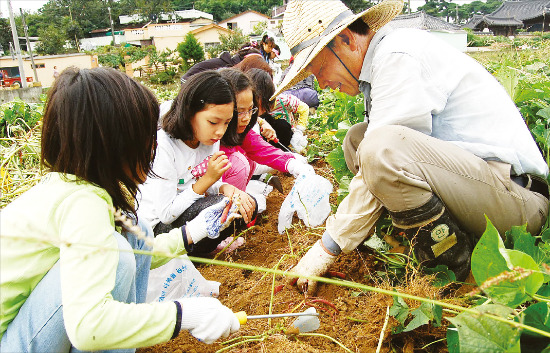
(502, 310)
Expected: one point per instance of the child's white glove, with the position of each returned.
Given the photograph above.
(297, 167)
(298, 140)
(208, 221)
(207, 319)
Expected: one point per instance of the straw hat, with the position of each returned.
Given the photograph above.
(309, 25)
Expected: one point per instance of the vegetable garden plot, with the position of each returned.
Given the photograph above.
(356, 320)
(508, 310)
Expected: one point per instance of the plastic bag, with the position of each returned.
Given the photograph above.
(309, 197)
(178, 279)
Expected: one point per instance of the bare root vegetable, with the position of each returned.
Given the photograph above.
(226, 211)
(332, 310)
(337, 274)
(278, 288)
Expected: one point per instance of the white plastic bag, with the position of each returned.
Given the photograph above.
(177, 279)
(309, 197)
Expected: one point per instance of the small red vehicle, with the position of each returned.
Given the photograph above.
(8, 81)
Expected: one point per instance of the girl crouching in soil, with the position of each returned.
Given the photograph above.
(68, 276)
(249, 147)
(188, 164)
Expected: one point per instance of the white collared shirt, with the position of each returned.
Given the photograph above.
(412, 78)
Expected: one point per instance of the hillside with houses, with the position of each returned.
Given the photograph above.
(165, 27)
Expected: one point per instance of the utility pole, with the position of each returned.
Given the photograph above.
(29, 49)
(17, 48)
(112, 26)
(409, 2)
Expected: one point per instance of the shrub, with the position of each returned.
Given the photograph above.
(190, 50)
(163, 77)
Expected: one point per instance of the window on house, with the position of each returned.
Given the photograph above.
(211, 44)
(232, 25)
(40, 66)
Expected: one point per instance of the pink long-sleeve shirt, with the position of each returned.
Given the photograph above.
(254, 149)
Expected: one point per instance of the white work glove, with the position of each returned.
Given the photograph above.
(207, 319)
(314, 263)
(298, 140)
(208, 221)
(297, 167)
(300, 158)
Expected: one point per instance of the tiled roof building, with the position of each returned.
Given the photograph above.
(532, 15)
(421, 20)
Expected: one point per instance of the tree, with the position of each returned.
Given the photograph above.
(52, 40)
(358, 5)
(148, 10)
(5, 34)
(190, 50)
(467, 11)
(259, 28)
(233, 41)
(222, 9)
(437, 8)
(74, 19)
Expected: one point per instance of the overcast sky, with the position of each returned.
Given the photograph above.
(29, 5)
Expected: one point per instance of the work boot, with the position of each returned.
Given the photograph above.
(436, 238)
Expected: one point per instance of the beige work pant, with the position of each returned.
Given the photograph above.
(399, 169)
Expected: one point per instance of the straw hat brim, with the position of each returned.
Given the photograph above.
(375, 16)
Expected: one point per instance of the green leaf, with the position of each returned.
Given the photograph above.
(453, 344)
(420, 318)
(490, 258)
(523, 241)
(544, 291)
(486, 260)
(399, 309)
(340, 134)
(443, 275)
(537, 316)
(544, 113)
(478, 333)
(425, 313)
(343, 187)
(523, 289)
(545, 236)
(336, 159)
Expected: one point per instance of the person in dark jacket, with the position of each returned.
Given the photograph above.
(224, 60)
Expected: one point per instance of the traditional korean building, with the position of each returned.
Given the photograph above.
(531, 15)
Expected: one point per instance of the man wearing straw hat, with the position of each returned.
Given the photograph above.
(442, 144)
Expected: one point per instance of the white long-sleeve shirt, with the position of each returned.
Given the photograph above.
(165, 197)
(412, 78)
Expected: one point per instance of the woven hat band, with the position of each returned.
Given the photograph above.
(296, 49)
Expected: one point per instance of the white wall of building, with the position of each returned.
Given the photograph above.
(96, 42)
(245, 21)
